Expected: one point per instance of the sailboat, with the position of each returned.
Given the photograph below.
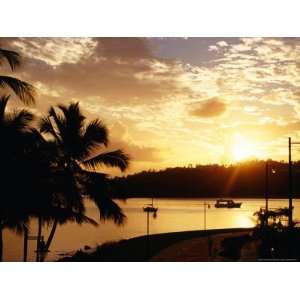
(150, 208)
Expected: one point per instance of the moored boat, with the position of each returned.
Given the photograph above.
(150, 208)
(227, 203)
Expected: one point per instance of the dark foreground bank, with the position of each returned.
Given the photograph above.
(142, 248)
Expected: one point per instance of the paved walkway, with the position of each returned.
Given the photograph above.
(201, 249)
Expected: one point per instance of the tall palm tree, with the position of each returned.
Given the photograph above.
(78, 153)
(32, 185)
(15, 130)
(13, 133)
(22, 89)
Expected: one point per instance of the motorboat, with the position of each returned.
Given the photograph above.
(227, 203)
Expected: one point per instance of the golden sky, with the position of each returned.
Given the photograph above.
(174, 101)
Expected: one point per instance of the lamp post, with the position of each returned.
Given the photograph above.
(209, 241)
(204, 219)
(204, 211)
(147, 224)
(153, 210)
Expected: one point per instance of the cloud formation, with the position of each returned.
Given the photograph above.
(56, 51)
(120, 70)
(212, 107)
(153, 86)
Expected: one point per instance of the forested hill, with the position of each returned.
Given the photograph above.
(245, 179)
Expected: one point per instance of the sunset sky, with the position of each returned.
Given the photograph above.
(174, 101)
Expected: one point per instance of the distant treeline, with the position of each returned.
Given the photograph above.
(245, 179)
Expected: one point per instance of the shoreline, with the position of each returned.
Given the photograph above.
(142, 248)
(211, 197)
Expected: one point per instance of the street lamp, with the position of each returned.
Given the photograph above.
(204, 211)
(149, 209)
(209, 242)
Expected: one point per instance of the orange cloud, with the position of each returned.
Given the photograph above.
(212, 107)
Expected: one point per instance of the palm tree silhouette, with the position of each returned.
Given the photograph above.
(44, 187)
(76, 156)
(12, 123)
(49, 178)
(22, 89)
(15, 132)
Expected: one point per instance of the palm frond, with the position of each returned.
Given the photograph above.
(78, 141)
(59, 120)
(69, 189)
(22, 89)
(109, 210)
(15, 220)
(73, 117)
(35, 140)
(12, 57)
(21, 119)
(115, 158)
(45, 126)
(64, 215)
(81, 218)
(95, 133)
(98, 189)
(3, 103)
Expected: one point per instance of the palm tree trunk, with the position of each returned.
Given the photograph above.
(50, 238)
(38, 240)
(1, 243)
(25, 243)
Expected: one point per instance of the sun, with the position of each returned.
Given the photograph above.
(243, 148)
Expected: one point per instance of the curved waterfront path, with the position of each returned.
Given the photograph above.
(200, 249)
(172, 246)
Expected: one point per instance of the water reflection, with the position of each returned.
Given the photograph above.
(173, 215)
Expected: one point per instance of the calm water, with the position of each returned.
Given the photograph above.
(173, 215)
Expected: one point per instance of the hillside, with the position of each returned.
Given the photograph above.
(245, 179)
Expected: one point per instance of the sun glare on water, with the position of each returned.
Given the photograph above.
(243, 148)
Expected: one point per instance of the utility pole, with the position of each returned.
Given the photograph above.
(148, 224)
(209, 240)
(149, 209)
(290, 185)
(204, 215)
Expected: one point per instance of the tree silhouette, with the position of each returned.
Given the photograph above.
(48, 173)
(45, 188)
(12, 134)
(22, 89)
(244, 179)
(15, 134)
(75, 157)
